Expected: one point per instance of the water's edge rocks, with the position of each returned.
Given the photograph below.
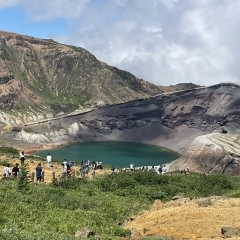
(201, 124)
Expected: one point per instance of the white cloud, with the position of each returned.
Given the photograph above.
(162, 41)
(8, 3)
(38, 10)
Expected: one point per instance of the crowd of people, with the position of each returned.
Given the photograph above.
(67, 168)
(15, 171)
(87, 166)
(162, 169)
(84, 169)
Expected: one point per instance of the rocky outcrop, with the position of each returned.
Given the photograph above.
(214, 153)
(84, 233)
(229, 232)
(189, 122)
(5, 79)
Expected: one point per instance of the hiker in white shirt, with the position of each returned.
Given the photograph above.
(49, 160)
(164, 169)
(7, 171)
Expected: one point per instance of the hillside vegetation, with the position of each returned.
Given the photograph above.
(41, 78)
(105, 204)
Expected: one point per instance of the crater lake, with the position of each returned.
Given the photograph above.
(117, 154)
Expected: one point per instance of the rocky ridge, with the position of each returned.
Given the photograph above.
(202, 124)
(41, 79)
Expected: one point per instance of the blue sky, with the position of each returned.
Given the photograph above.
(14, 19)
(162, 41)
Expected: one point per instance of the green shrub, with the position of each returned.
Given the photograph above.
(23, 178)
(9, 150)
(112, 182)
(58, 210)
(235, 195)
(5, 163)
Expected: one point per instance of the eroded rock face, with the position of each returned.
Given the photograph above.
(214, 153)
(189, 122)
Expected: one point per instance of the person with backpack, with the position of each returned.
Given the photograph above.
(164, 169)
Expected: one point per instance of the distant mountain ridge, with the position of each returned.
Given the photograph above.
(178, 87)
(41, 78)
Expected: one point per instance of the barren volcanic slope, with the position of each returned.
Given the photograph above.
(41, 78)
(207, 118)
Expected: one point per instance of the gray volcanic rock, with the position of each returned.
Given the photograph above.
(170, 120)
(213, 153)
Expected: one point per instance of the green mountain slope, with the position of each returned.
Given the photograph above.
(43, 76)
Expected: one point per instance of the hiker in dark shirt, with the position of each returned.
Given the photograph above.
(69, 170)
(160, 170)
(39, 173)
(15, 170)
(22, 157)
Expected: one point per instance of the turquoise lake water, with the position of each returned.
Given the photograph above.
(118, 154)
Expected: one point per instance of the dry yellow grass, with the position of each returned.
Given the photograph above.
(48, 172)
(187, 219)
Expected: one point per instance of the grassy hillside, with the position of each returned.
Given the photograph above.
(61, 77)
(58, 210)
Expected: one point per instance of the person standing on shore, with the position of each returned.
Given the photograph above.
(22, 157)
(15, 170)
(132, 167)
(39, 173)
(64, 162)
(49, 160)
(93, 167)
(100, 165)
(7, 171)
(160, 170)
(64, 174)
(164, 169)
(82, 172)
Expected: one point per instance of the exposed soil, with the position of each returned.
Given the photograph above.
(27, 147)
(188, 219)
(19, 145)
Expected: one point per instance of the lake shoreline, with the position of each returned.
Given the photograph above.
(176, 140)
(51, 146)
(113, 153)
